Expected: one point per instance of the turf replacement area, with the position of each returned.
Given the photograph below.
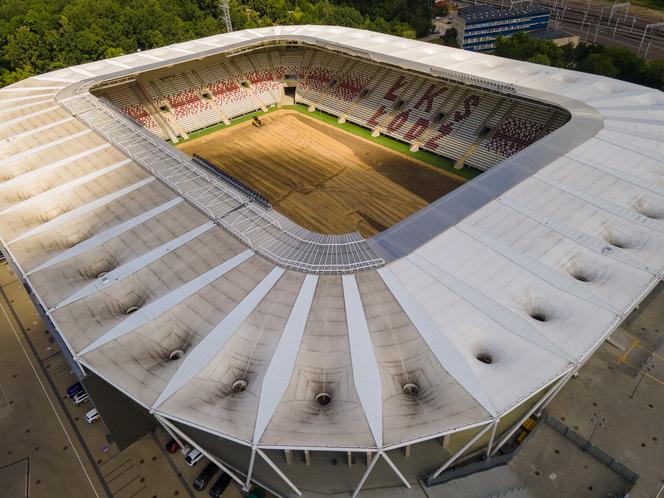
(322, 177)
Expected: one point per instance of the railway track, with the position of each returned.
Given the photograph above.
(592, 24)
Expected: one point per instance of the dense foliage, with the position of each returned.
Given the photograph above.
(588, 57)
(450, 38)
(43, 35)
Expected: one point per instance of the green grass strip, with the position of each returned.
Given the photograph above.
(390, 143)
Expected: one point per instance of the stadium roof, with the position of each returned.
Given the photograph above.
(533, 263)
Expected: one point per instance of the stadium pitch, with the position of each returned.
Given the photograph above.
(324, 178)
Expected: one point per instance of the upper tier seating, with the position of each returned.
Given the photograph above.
(450, 119)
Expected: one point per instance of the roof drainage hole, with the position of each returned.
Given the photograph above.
(537, 472)
(239, 386)
(323, 399)
(540, 317)
(580, 277)
(411, 389)
(484, 358)
(176, 354)
(131, 310)
(590, 488)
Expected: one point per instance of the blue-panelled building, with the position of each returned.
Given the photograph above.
(478, 26)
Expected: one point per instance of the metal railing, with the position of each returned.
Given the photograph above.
(266, 232)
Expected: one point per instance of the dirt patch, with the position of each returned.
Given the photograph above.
(321, 177)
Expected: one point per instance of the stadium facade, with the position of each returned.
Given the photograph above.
(312, 363)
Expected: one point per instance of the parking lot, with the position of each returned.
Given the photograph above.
(48, 449)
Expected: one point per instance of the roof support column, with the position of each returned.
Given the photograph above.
(396, 470)
(366, 473)
(252, 459)
(189, 441)
(461, 451)
(372, 462)
(541, 403)
(171, 432)
(288, 454)
(279, 472)
(493, 435)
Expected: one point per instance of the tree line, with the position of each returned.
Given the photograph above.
(594, 58)
(45, 35)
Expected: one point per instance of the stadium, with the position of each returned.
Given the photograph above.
(216, 231)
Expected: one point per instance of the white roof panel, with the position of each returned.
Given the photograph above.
(568, 231)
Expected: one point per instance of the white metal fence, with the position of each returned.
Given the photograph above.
(268, 233)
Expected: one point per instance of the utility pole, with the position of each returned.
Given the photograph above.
(651, 27)
(227, 15)
(599, 421)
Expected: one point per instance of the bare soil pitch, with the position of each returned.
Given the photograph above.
(321, 177)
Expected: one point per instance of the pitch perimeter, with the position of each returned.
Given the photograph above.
(321, 177)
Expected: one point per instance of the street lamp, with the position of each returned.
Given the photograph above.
(648, 364)
(599, 421)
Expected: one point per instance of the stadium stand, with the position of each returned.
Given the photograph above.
(474, 127)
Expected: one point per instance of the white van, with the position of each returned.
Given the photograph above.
(92, 416)
(80, 398)
(193, 457)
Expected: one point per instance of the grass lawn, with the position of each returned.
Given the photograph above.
(421, 155)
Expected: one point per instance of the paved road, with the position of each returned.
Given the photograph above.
(47, 450)
(35, 428)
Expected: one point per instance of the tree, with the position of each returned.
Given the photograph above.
(522, 47)
(542, 59)
(450, 38)
(628, 64)
(599, 64)
(653, 74)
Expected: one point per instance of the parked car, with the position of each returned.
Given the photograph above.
(219, 486)
(80, 398)
(92, 416)
(74, 389)
(206, 476)
(193, 457)
(172, 446)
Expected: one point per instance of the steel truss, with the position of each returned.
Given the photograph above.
(268, 233)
